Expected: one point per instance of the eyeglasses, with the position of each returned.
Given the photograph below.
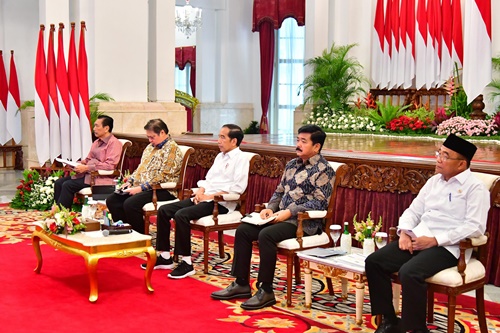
(444, 158)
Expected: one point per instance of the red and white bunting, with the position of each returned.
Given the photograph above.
(378, 45)
(421, 45)
(14, 124)
(477, 55)
(83, 86)
(76, 142)
(63, 97)
(446, 45)
(457, 35)
(4, 91)
(54, 126)
(410, 44)
(42, 132)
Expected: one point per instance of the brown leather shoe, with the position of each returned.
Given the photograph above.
(234, 290)
(260, 300)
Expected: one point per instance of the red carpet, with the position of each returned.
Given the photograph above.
(57, 299)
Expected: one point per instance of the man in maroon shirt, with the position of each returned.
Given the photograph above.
(104, 155)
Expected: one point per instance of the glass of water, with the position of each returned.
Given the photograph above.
(381, 239)
(335, 233)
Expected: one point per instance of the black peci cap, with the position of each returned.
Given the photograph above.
(461, 146)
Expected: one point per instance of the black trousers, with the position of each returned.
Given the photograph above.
(413, 269)
(128, 208)
(65, 189)
(182, 212)
(268, 235)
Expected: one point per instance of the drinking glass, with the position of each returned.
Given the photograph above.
(335, 233)
(381, 239)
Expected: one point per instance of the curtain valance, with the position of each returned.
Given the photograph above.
(276, 11)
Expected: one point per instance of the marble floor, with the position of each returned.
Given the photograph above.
(9, 179)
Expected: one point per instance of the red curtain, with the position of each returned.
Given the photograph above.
(277, 11)
(267, 16)
(184, 55)
(266, 37)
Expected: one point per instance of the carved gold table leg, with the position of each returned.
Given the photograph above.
(91, 262)
(360, 295)
(35, 239)
(151, 255)
(344, 288)
(308, 286)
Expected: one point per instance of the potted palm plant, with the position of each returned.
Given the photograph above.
(335, 80)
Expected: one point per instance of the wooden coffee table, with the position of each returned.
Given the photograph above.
(94, 248)
(337, 267)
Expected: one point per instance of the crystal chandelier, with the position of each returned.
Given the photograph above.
(187, 19)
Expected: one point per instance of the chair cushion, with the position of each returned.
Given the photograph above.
(86, 191)
(229, 218)
(450, 276)
(307, 241)
(149, 207)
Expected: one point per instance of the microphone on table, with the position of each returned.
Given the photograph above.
(107, 232)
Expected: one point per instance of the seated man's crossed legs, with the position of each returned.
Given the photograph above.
(182, 212)
(269, 236)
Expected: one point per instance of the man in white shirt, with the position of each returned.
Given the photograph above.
(228, 174)
(452, 205)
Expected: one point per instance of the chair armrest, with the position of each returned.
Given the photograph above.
(106, 172)
(168, 185)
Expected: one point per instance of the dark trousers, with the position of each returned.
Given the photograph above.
(268, 235)
(128, 208)
(65, 189)
(182, 212)
(412, 269)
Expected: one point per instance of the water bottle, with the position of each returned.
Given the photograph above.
(345, 239)
(85, 208)
(368, 243)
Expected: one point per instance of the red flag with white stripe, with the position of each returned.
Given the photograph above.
(4, 92)
(76, 142)
(402, 43)
(42, 132)
(432, 73)
(477, 54)
(54, 125)
(83, 85)
(421, 45)
(395, 44)
(446, 45)
(457, 36)
(378, 44)
(386, 78)
(14, 124)
(63, 97)
(410, 44)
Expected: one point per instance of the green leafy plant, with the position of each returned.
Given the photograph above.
(386, 112)
(94, 105)
(253, 128)
(495, 84)
(335, 80)
(458, 106)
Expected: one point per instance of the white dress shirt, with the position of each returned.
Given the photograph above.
(449, 210)
(229, 173)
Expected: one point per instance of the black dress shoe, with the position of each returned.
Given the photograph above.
(388, 327)
(234, 290)
(260, 300)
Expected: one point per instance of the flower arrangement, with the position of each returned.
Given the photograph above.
(61, 220)
(361, 227)
(468, 127)
(406, 124)
(35, 191)
(343, 121)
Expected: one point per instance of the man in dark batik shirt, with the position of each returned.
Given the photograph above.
(306, 185)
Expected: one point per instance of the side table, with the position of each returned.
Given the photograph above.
(94, 248)
(349, 267)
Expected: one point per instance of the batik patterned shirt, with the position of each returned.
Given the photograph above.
(159, 164)
(304, 186)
